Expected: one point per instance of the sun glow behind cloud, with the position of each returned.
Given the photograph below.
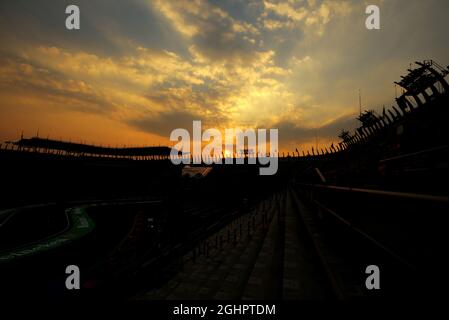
(138, 69)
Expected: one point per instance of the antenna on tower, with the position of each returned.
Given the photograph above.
(360, 103)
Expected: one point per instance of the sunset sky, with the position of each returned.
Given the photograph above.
(137, 69)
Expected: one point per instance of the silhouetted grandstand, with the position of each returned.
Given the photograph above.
(404, 148)
(37, 144)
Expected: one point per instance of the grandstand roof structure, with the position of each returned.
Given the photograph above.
(85, 149)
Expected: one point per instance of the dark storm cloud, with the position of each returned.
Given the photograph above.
(243, 10)
(219, 43)
(107, 27)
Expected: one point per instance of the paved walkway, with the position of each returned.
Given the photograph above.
(270, 262)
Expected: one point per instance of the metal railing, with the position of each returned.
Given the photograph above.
(394, 194)
(350, 207)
